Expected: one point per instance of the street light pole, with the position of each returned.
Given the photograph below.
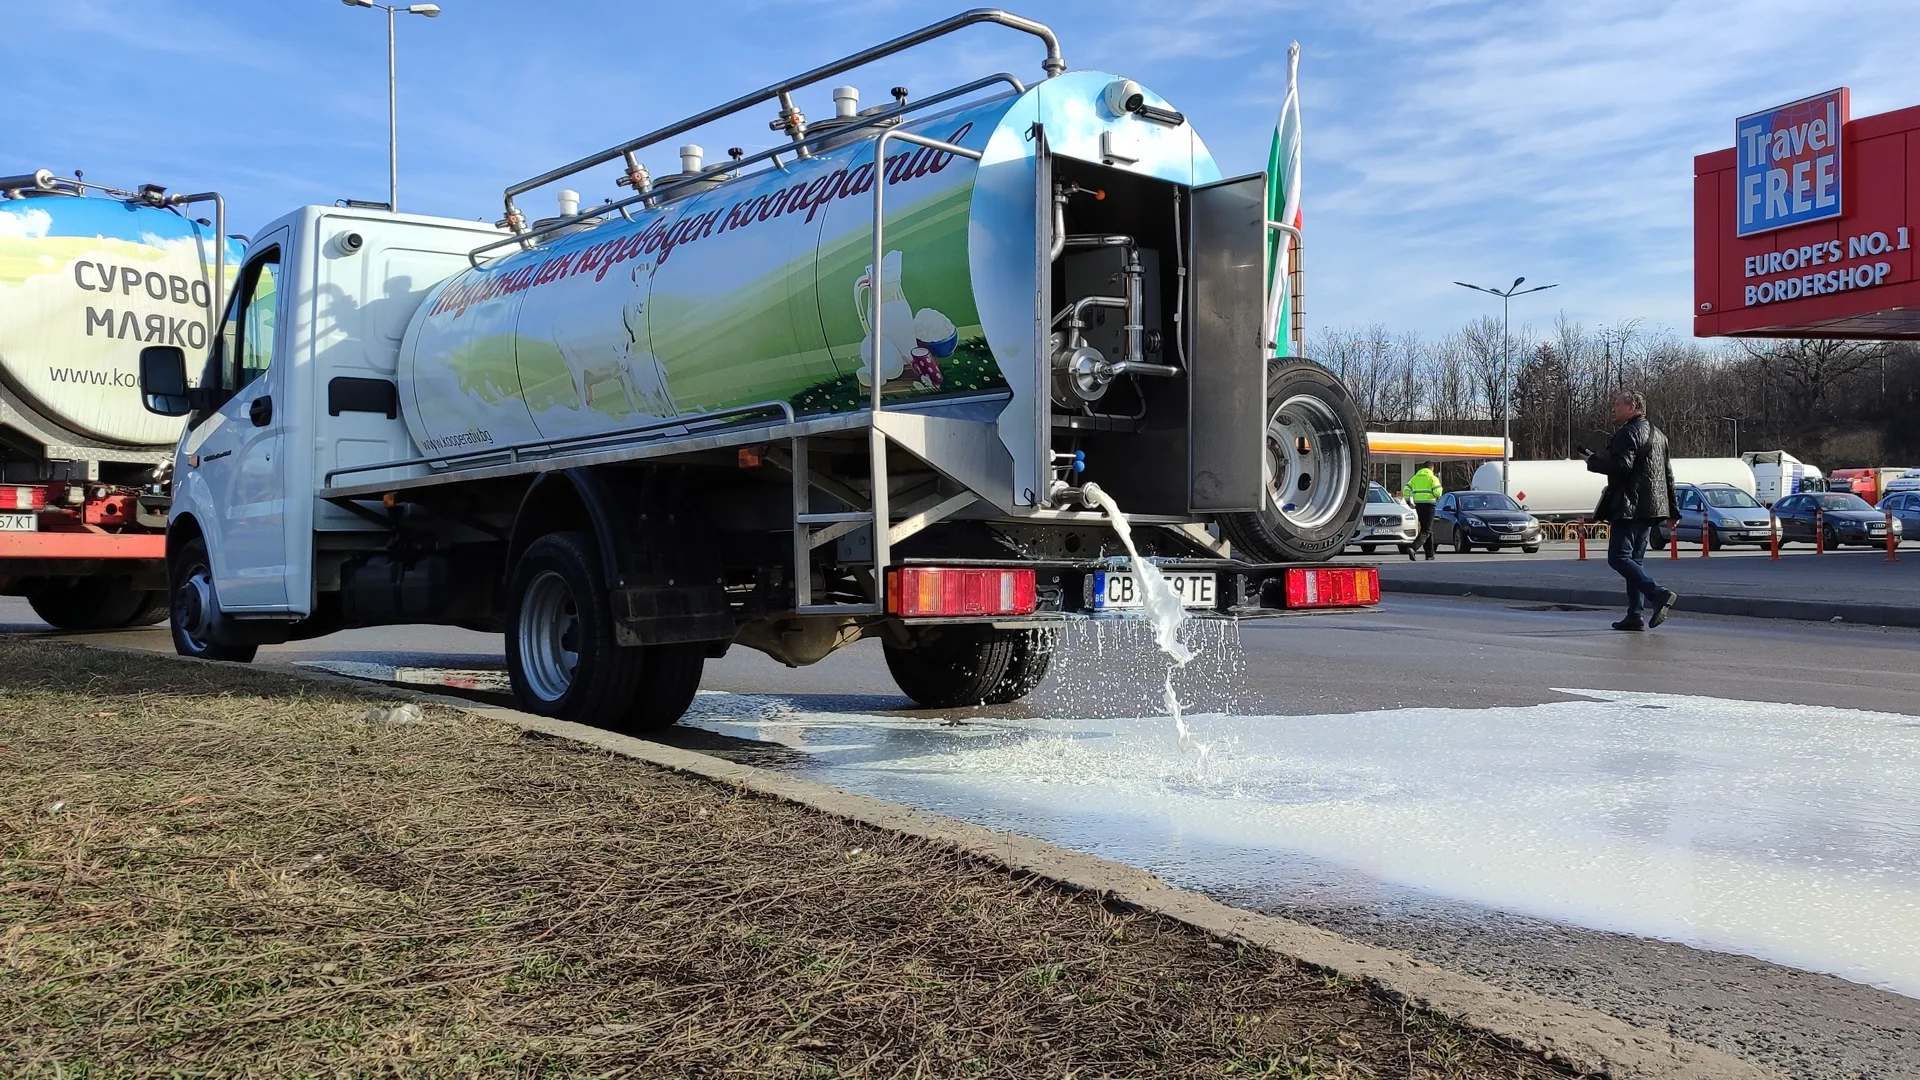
(393, 109)
(1735, 421)
(1506, 368)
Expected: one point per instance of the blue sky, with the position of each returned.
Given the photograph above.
(1442, 140)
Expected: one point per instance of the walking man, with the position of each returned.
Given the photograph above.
(1638, 494)
(1423, 490)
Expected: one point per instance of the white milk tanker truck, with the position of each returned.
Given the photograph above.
(853, 386)
(87, 275)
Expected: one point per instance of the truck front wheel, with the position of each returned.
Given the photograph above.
(196, 611)
(97, 603)
(562, 658)
(1316, 470)
(952, 666)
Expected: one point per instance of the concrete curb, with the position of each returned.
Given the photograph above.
(1589, 1041)
(1706, 604)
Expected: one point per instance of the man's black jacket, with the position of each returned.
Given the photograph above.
(1639, 481)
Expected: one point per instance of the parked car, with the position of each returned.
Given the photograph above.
(1386, 520)
(1728, 514)
(1485, 518)
(1846, 518)
(1906, 510)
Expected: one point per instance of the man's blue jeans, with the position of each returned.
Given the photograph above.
(1626, 551)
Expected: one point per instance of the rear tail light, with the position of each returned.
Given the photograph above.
(925, 590)
(22, 498)
(1343, 586)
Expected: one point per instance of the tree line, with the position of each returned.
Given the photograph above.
(1836, 404)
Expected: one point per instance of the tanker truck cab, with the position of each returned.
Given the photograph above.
(901, 376)
(299, 380)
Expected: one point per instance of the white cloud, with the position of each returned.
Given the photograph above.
(29, 224)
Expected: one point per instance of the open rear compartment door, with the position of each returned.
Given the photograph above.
(1227, 368)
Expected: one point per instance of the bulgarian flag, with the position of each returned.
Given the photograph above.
(1283, 205)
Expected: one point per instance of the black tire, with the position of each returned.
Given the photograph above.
(562, 658)
(1657, 540)
(1366, 549)
(1406, 549)
(953, 666)
(1714, 543)
(89, 603)
(669, 677)
(154, 608)
(1270, 534)
(197, 622)
(1531, 549)
(1460, 542)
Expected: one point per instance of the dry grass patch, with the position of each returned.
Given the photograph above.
(209, 871)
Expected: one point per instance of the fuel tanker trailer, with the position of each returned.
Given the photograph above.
(860, 384)
(89, 274)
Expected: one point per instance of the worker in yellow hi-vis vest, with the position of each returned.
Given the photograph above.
(1423, 489)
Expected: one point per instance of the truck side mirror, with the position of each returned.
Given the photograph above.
(163, 380)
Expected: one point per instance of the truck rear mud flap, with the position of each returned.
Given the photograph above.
(1049, 593)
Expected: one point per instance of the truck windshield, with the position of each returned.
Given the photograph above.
(1728, 498)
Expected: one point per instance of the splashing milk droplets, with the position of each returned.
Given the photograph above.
(1163, 610)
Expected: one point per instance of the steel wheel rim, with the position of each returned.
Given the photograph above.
(192, 608)
(549, 636)
(1308, 487)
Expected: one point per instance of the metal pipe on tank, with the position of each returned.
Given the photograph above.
(1053, 65)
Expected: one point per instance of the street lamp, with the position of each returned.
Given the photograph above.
(1735, 421)
(393, 137)
(1506, 366)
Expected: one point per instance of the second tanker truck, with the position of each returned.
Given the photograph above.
(857, 385)
(87, 275)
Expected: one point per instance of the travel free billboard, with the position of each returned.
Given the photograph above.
(1791, 161)
(1849, 272)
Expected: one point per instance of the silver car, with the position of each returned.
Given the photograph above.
(1727, 514)
(1386, 520)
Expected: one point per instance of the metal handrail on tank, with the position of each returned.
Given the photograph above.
(664, 187)
(518, 451)
(1053, 65)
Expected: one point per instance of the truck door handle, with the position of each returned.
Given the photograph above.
(261, 411)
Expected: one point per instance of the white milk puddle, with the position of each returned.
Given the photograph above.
(1786, 832)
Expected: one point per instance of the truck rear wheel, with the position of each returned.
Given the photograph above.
(952, 666)
(95, 603)
(1316, 469)
(197, 618)
(562, 659)
(669, 676)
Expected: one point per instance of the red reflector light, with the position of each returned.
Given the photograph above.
(22, 498)
(926, 590)
(1342, 586)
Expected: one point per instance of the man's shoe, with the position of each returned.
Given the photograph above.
(1410, 555)
(1629, 624)
(1664, 607)
(1429, 556)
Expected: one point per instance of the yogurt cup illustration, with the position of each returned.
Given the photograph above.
(935, 333)
(925, 368)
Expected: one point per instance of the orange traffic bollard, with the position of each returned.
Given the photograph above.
(1892, 554)
(1580, 531)
(1773, 535)
(1706, 539)
(1673, 545)
(1819, 532)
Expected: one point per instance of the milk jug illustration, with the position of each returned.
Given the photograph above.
(896, 322)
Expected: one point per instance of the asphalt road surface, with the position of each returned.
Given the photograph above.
(1711, 829)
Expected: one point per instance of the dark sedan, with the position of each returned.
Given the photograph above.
(1906, 510)
(1846, 519)
(1484, 518)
